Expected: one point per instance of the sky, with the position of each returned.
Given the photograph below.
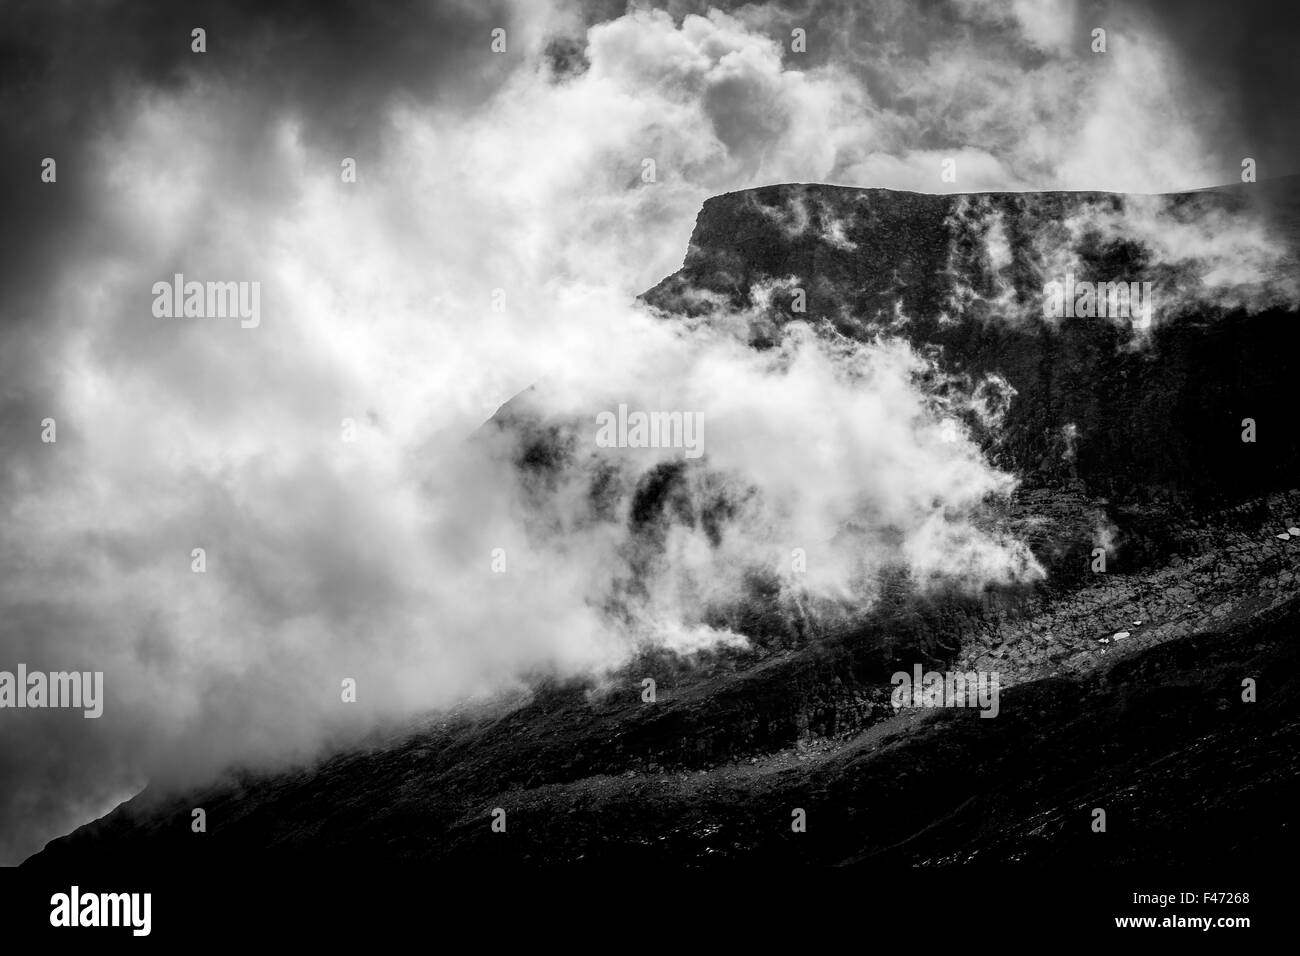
(498, 229)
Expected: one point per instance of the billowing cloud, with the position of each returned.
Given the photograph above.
(502, 219)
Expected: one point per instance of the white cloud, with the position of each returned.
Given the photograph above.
(371, 560)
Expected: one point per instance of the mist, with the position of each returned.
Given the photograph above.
(330, 462)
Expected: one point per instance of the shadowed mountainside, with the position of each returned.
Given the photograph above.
(1140, 430)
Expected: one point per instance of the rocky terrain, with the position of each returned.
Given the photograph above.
(1122, 689)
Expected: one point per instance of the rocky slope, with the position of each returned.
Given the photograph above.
(1134, 430)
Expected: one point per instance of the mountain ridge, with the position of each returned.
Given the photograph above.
(709, 773)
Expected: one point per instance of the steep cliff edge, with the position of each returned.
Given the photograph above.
(1099, 405)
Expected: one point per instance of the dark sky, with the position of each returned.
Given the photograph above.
(478, 171)
(69, 70)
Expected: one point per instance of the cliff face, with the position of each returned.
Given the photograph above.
(1100, 404)
(1139, 427)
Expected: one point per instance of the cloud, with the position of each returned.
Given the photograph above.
(483, 178)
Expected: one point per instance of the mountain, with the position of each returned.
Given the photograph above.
(965, 274)
(1121, 690)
